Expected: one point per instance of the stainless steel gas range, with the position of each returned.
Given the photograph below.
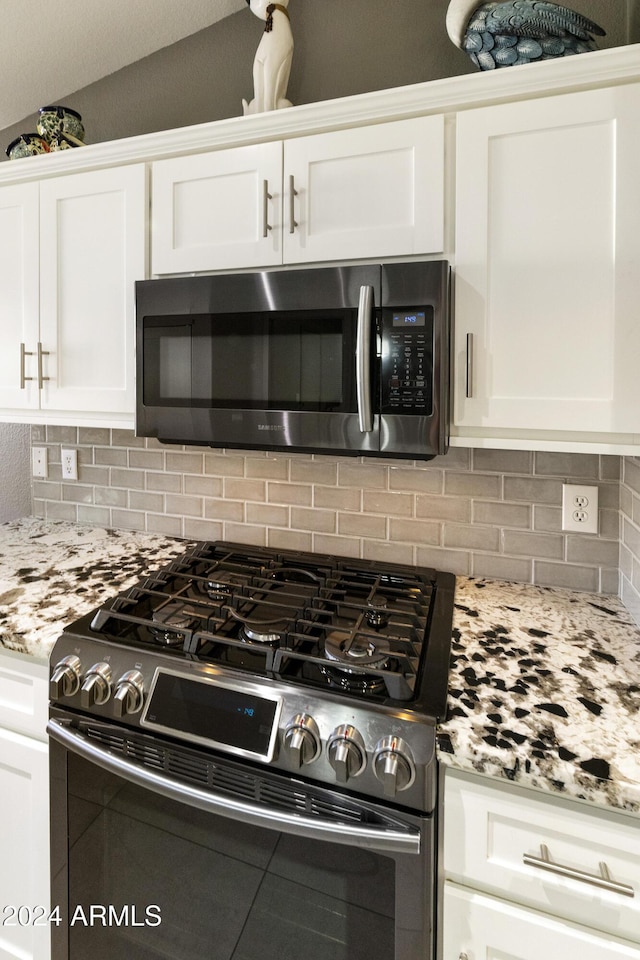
(267, 718)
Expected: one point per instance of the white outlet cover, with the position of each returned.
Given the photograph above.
(579, 508)
(39, 466)
(69, 464)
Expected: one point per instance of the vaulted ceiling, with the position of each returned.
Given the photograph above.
(52, 48)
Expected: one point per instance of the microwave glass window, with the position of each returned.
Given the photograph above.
(301, 362)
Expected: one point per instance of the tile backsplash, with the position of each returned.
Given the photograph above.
(630, 535)
(481, 512)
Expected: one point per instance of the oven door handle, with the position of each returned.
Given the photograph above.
(380, 839)
(363, 359)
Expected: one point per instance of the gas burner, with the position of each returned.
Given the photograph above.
(259, 634)
(219, 586)
(355, 651)
(171, 620)
(362, 684)
(377, 614)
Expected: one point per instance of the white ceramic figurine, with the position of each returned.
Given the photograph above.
(272, 64)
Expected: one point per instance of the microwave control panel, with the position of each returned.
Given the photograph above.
(407, 361)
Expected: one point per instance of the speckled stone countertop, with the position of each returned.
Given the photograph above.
(544, 687)
(52, 572)
(544, 691)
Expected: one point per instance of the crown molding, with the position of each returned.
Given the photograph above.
(602, 68)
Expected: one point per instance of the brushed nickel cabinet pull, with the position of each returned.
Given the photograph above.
(602, 880)
(266, 196)
(469, 376)
(23, 377)
(41, 378)
(293, 193)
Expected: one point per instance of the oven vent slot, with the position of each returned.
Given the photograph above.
(227, 777)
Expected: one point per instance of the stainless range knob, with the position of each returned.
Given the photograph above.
(301, 741)
(65, 679)
(129, 694)
(346, 752)
(96, 686)
(393, 765)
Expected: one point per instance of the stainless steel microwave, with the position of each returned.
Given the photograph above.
(343, 360)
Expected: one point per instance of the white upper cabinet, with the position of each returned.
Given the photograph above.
(374, 191)
(547, 281)
(19, 294)
(67, 296)
(217, 210)
(367, 192)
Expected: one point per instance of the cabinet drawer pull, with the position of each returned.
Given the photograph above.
(266, 196)
(41, 353)
(469, 373)
(24, 353)
(293, 193)
(602, 880)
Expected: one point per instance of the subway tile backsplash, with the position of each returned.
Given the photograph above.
(630, 535)
(493, 513)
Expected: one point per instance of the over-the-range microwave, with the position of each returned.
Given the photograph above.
(343, 360)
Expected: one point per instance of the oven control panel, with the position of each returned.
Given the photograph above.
(368, 747)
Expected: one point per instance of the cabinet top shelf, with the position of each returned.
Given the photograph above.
(599, 69)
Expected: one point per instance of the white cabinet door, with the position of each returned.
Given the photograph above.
(374, 191)
(495, 837)
(478, 927)
(24, 848)
(217, 210)
(92, 250)
(19, 295)
(547, 254)
(24, 695)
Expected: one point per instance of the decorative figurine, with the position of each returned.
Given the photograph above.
(272, 64)
(504, 33)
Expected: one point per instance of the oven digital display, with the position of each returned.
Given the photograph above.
(204, 711)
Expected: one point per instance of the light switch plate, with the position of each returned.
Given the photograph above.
(579, 508)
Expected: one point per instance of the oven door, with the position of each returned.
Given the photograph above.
(163, 851)
(268, 360)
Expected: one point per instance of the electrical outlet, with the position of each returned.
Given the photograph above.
(579, 508)
(69, 464)
(39, 466)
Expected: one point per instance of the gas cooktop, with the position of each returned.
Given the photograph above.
(267, 654)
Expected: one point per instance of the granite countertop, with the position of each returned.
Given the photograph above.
(52, 572)
(544, 691)
(544, 687)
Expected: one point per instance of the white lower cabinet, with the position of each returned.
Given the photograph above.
(24, 848)
(530, 876)
(25, 907)
(479, 927)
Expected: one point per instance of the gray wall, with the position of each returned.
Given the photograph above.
(341, 48)
(15, 477)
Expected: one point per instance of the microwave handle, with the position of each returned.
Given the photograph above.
(363, 359)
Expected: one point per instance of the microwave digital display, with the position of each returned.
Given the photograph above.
(409, 319)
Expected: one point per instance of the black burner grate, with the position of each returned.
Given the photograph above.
(317, 619)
